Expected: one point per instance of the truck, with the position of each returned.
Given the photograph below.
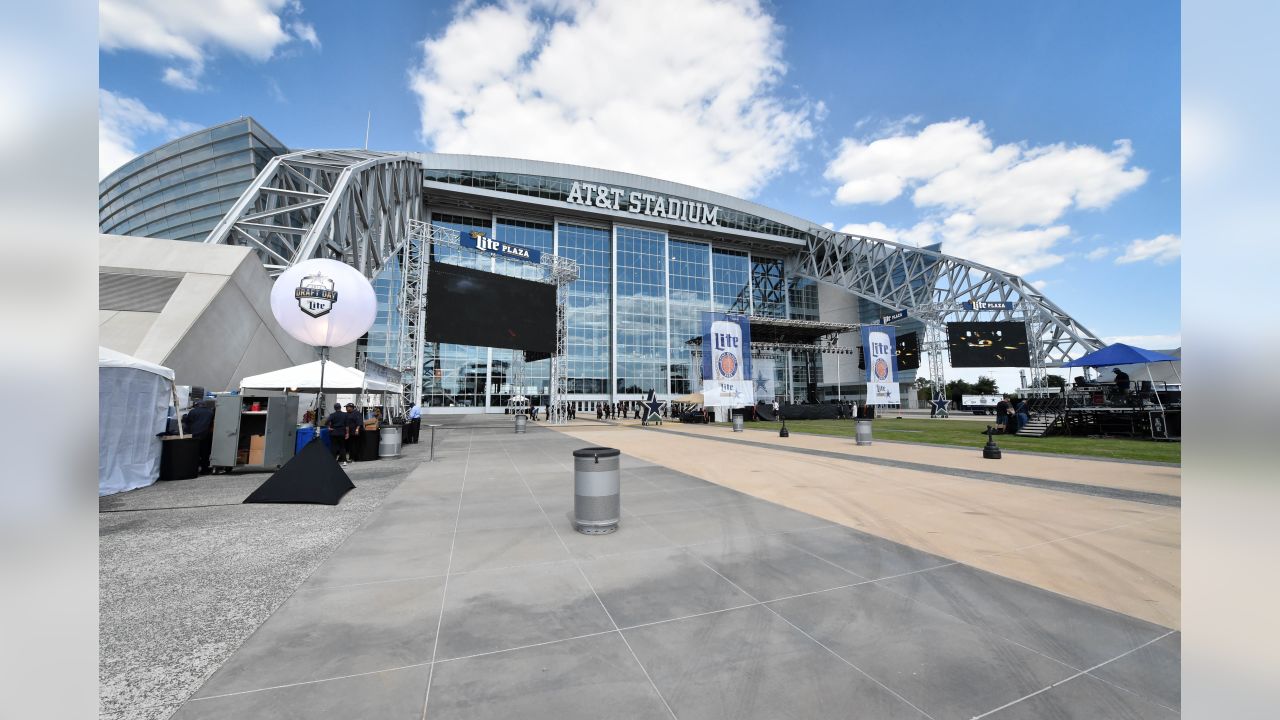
(979, 404)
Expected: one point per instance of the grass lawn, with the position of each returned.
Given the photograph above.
(967, 433)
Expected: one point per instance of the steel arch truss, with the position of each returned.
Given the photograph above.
(349, 205)
(902, 277)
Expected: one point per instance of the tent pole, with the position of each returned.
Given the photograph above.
(324, 355)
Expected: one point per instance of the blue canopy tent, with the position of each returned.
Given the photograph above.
(1122, 354)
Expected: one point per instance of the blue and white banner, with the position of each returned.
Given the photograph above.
(726, 361)
(879, 345)
(485, 244)
(986, 305)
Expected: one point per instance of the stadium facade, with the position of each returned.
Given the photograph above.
(652, 256)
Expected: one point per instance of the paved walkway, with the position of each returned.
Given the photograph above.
(468, 595)
(1123, 555)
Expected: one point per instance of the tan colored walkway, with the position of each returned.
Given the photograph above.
(1117, 554)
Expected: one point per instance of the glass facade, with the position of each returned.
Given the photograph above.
(768, 290)
(181, 190)
(731, 281)
(803, 294)
(641, 302)
(689, 271)
(589, 306)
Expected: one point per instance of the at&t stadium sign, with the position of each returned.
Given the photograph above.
(642, 203)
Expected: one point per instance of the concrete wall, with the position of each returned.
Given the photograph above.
(216, 328)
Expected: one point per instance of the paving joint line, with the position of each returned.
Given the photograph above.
(444, 592)
(1073, 677)
(590, 585)
(802, 632)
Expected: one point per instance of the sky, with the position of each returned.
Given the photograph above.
(1038, 138)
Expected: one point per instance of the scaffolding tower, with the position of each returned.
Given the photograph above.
(411, 341)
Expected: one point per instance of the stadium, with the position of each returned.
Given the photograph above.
(644, 258)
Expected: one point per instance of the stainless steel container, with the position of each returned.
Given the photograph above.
(864, 432)
(737, 423)
(521, 420)
(389, 442)
(596, 492)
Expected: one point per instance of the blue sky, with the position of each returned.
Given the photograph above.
(1042, 138)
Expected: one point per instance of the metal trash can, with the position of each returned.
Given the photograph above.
(389, 443)
(864, 432)
(737, 423)
(520, 423)
(596, 502)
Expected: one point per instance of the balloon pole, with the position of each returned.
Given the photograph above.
(320, 405)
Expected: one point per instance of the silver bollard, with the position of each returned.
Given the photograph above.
(864, 432)
(596, 501)
(737, 423)
(521, 420)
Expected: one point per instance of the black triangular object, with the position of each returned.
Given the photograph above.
(312, 476)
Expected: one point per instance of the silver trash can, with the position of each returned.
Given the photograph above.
(596, 502)
(520, 423)
(389, 442)
(864, 432)
(737, 423)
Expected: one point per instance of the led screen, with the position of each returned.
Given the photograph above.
(908, 353)
(988, 344)
(473, 307)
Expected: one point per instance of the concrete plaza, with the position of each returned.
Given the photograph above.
(745, 581)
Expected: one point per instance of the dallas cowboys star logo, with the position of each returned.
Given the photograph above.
(653, 408)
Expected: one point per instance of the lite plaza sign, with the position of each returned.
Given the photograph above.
(640, 203)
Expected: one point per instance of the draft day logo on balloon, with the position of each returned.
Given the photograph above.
(315, 295)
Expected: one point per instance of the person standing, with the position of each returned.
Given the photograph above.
(775, 409)
(1003, 411)
(354, 436)
(1021, 414)
(198, 422)
(337, 424)
(415, 423)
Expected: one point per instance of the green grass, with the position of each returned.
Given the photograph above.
(966, 433)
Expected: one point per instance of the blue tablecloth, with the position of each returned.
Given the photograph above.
(306, 433)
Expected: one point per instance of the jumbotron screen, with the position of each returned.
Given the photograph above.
(988, 344)
(908, 353)
(474, 307)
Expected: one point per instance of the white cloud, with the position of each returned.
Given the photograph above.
(995, 204)
(122, 121)
(1039, 284)
(1162, 249)
(1148, 342)
(190, 32)
(679, 89)
(1097, 253)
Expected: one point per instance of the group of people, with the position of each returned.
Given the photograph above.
(346, 430)
(623, 409)
(1012, 414)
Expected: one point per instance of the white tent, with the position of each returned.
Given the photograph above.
(306, 378)
(133, 406)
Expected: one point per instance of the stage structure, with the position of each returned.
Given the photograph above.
(937, 288)
(937, 316)
(415, 258)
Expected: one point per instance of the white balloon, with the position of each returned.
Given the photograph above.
(324, 303)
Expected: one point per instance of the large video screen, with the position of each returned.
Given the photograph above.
(473, 307)
(908, 353)
(988, 344)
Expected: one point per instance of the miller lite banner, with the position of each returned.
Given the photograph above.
(879, 343)
(726, 361)
(485, 244)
